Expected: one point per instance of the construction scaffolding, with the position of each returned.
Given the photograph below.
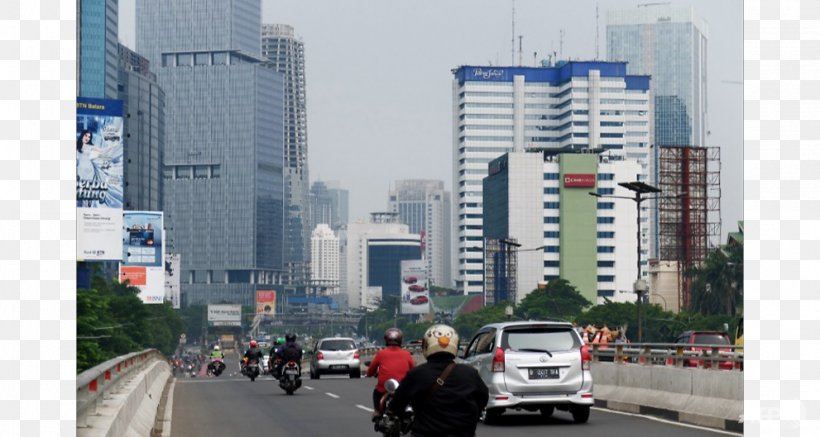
(500, 270)
(689, 210)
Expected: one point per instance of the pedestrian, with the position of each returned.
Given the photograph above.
(447, 398)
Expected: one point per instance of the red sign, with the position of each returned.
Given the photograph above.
(579, 180)
(137, 275)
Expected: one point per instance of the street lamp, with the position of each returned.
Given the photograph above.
(640, 188)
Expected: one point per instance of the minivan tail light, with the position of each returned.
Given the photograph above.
(320, 356)
(356, 355)
(586, 357)
(498, 360)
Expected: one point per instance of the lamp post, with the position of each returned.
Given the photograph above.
(640, 188)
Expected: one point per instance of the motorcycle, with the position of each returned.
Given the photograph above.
(291, 378)
(389, 424)
(216, 367)
(251, 370)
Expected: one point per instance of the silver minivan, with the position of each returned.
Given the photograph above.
(532, 365)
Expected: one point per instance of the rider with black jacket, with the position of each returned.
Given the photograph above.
(452, 410)
(253, 353)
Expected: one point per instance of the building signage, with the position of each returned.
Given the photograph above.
(488, 73)
(224, 315)
(576, 180)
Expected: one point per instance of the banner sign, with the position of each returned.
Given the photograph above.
(415, 294)
(149, 280)
(99, 180)
(172, 275)
(266, 303)
(572, 180)
(225, 315)
(142, 238)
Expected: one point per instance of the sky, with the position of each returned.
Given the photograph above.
(379, 81)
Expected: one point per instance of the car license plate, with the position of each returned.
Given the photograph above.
(543, 373)
(338, 366)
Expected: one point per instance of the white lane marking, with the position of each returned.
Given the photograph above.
(369, 410)
(671, 422)
(309, 387)
(332, 395)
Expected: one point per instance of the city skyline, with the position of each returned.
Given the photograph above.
(354, 60)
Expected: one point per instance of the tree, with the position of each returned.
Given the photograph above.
(558, 300)
(717, 283)
(467, 324)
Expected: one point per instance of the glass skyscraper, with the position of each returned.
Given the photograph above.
(668, 43)
(222, 172)
(286, 53)
(97, 48)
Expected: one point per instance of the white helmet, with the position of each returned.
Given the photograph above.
(439, 338)
(216, 347)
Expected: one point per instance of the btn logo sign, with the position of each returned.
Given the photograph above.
(577, 180)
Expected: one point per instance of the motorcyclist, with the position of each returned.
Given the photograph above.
(272, 360)
(454, 408)
(390, 362)
(253, 353)
(290, 351)
(216, 354)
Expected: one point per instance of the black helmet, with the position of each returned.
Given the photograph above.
(290, 338)
(393, 336)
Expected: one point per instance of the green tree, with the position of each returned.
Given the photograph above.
(467, 324)
(558, 300)
(717, 283)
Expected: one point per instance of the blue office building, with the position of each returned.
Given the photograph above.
(97, 46)
(223, 160)
(384, 257)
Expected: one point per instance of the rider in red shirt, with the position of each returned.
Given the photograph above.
(390, 362)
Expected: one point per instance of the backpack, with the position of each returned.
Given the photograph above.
(291, 352)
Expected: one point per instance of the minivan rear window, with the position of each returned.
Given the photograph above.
(337, 345)
(710, 339)
(546, 338)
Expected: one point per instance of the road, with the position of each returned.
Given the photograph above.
(340, 407)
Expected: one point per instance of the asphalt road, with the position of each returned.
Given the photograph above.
(338, 406)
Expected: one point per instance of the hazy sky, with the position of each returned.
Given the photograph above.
(379, 85)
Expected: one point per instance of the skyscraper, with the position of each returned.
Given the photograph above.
(223, 157)
(97, 26)
(324, 259)
(424, 206)
(668, 43)
(328, 204)
(144, 123)
(571, 106)
(286, 53)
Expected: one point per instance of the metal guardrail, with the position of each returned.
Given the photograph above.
(96, 383)
(669, 354)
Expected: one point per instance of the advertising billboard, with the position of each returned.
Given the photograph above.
(225, 315)
(142, 238)
(415, 294)
(172, 274)
(266, 303)
(99, 181)
(148, 279)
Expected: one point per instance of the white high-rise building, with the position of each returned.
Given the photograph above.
(571, 106)
(424, 206)
(371, 255)
(324, 257)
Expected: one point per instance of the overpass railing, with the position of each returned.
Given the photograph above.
(96, 384)
(670, 354)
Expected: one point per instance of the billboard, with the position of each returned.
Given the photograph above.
(579, 180)
(415, 294)
(172, 274)
(224, 315)
(148, 279)
(266, 303)
(142, 238)
(99, 180)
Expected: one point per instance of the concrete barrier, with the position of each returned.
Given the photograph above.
(697, 396)
(131, 410)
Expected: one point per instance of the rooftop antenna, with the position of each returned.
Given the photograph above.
(534, 59)
(512, 41)
(561, 43)
(520, 53)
